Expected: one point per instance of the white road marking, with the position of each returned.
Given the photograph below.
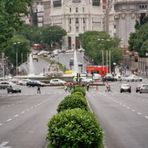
(3, 145)
(139, 113)
(8, 120)
(16, 115)
(1, 124)
(146, 117)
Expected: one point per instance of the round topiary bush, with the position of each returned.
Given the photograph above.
(79, 89)
(75, 128)
(71, 102)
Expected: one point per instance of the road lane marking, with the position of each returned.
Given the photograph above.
(8, 120)
(16, 115)
(146, 117)
(4, 145)
(1, 124)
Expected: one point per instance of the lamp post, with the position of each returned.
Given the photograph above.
(106, 56)
(16, 56)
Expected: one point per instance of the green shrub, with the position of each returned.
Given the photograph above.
(75, 128)
(79, 89)
(78, 93)
(71, 102)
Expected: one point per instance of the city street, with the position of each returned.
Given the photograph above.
(24, 117)
(123, 116)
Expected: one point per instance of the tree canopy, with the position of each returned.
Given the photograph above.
(10, 18)
(138, 40)
(95, 42)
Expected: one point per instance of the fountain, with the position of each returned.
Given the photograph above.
(75, 66)
(31, 66)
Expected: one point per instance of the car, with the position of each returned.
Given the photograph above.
(125, 88)
(109, 77)
(57, 82)
(13, 89)
(142, 88)
(86, 80)
(133, 78)
(33, 83)
(4, 84)
(23, 82)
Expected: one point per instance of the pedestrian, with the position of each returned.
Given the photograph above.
(87, 87)
(38, 90)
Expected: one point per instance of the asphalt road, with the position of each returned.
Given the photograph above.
(24, 117)
(123, 116)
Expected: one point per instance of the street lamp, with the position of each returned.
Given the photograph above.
(108, 55)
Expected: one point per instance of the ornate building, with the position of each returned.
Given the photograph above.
(127, 12)
(76, 16)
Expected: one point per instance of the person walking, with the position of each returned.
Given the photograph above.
(38, 90)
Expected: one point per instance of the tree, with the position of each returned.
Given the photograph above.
(17, 45)
(52, 35)
(10, 18)
(138, 38)
(95, 42)
(32, 33)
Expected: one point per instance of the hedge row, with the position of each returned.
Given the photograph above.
(74, 126)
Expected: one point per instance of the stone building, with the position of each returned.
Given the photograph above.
(127, 12)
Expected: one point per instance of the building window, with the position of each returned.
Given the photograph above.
(96, 2)
(70, 9)
(76, 9)
(76, 1)
(77, 20)
(143, 6)
(83, 9)
(77, 28)
(84, 20)
(70, 21)
(57, 3)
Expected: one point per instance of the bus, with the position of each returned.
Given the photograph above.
(102, 70)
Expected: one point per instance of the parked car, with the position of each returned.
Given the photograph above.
(57, 82)
(13, 89)
(142, 88)
(125, 88)
(109, 77)
(4, 84)
(33, 83)
(133, 78)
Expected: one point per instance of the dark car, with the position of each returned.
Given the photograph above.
(125, 88)
(33, 83)
(13, 89)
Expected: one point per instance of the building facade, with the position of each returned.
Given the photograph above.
(127, 12)
(116, 17)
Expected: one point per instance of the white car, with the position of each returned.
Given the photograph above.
(86, 79)
(57, 82)
(133, 78)
(125, 88)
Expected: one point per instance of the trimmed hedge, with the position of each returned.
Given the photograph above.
(71, 102)
(79, 89)
(75, 128)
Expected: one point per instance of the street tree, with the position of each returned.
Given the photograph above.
(32, 33)
(95, 43)
(52, 35)
(10, 18)
(138, 40)
(17, 46)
